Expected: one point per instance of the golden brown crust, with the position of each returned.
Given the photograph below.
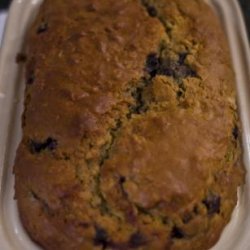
(130, 131)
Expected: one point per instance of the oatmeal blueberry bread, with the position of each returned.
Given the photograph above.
(130, 130)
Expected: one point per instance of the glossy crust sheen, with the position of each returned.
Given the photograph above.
(130, 131)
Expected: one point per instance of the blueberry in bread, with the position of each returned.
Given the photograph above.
(130, 129)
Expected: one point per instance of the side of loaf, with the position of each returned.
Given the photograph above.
(131, 137)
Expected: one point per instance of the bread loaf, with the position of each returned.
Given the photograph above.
(130, 129)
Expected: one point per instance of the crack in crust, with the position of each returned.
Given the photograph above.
(43, 204)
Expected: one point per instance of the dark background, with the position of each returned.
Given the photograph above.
(4, 3)
(245, 4)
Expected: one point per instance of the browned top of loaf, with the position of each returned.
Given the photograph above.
(130, 131)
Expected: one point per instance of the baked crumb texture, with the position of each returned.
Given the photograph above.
(130, 130)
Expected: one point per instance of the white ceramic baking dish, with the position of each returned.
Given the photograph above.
(12, 235)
